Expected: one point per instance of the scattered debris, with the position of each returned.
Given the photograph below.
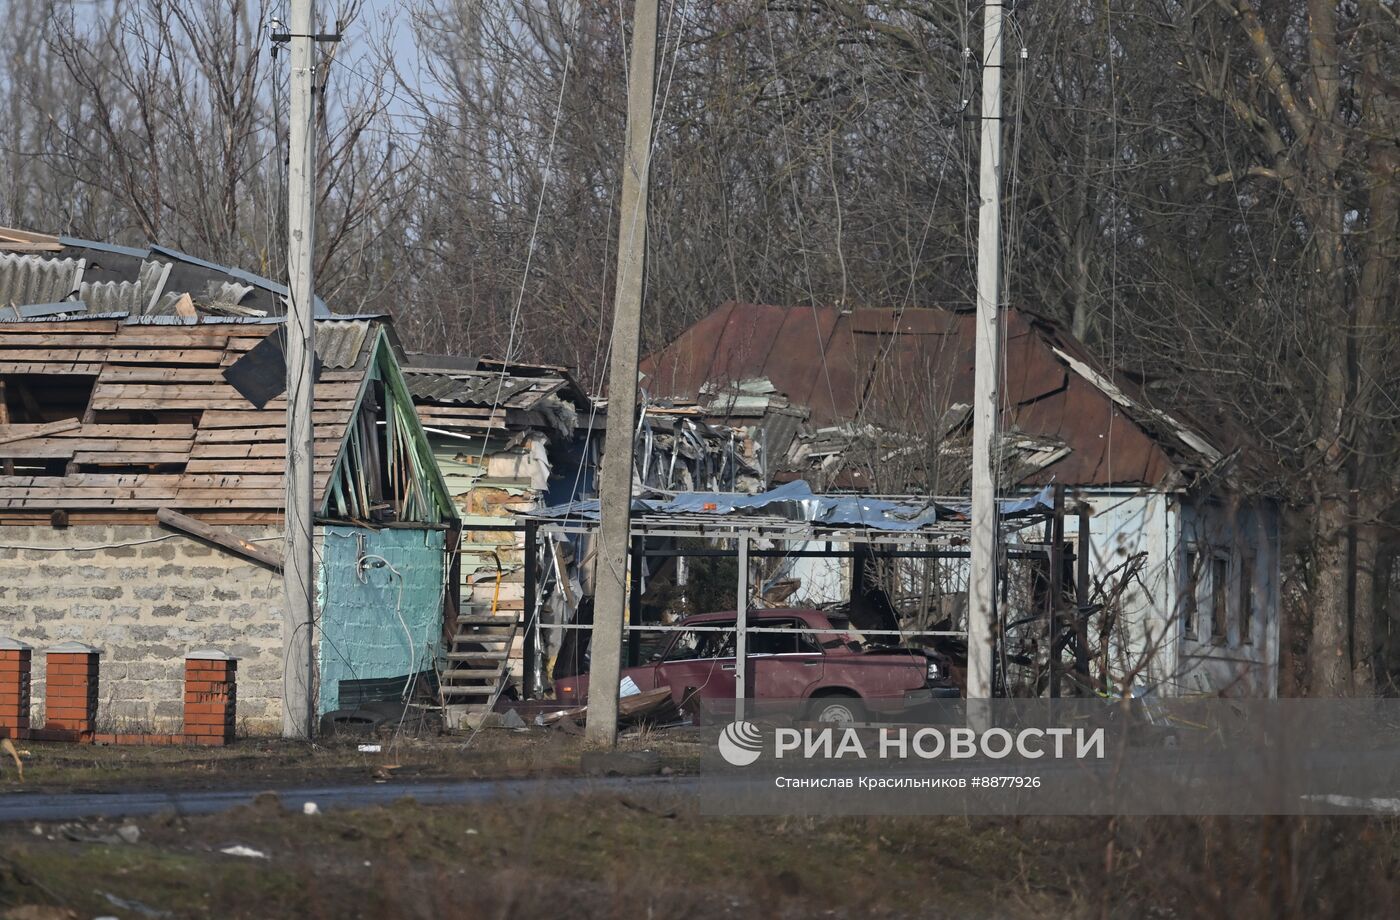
(127, 833)
(241, 850)
(134, 906)
(310, 808)
(371, 748)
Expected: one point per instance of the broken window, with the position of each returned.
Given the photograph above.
(1246, 600)
(693, 644)
(1219, 599)
(28, 401)
(1191, 594)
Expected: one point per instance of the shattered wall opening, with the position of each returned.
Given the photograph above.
(37, 401)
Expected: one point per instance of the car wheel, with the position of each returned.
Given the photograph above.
(836, 710)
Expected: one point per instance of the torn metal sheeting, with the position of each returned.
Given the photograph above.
(795, 501)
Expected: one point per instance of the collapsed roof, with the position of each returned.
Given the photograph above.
(901, 380)
(478, 396)
(131, 415)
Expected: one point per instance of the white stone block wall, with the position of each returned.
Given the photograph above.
(145, 596)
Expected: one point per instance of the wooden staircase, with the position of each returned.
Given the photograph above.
(478, 664)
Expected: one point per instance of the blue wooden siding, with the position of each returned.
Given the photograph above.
(369, 614)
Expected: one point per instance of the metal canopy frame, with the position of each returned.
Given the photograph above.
(947, 539)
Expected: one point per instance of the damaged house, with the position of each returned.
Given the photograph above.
(142, 453)
(1184, 565)
(511, 439)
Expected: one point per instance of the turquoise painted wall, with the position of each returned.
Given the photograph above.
(361, 636)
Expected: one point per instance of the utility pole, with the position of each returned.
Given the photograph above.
(615, 481)
(986, 402)
(298, 573)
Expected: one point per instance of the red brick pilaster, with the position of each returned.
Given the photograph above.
(211, 684)
(70, 691)
(15, 660)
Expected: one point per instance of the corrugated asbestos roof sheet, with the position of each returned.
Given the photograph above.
(905, 369)
(30, 279)
(341, 344)
(36, 268)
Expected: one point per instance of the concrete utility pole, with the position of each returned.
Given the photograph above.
(615, 481)
(298, 574)
(982, 580)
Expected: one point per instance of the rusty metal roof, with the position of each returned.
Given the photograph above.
(905, 369)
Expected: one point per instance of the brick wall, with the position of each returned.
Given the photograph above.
(145, 606)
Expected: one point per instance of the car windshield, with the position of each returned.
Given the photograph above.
(782, 643)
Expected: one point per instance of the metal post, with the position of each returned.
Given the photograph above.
(1057, 583)
(299, 576)
(741, 637)
(986, 404)
(1081, 591)
(634, 602)
(615, 480)
(532, 623)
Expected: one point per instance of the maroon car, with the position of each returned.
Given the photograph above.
(836, 674)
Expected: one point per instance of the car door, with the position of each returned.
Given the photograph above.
(700, 664)
(784, 665)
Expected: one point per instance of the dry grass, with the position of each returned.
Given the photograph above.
(650, 856)
(260, 764)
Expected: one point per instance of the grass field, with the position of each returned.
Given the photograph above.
(648, 855)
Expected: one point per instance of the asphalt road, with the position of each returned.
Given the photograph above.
(21, 806)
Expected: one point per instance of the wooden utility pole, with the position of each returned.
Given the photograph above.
(982, 580)
(615, 481)
(299, 575)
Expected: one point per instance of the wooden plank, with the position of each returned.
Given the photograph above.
(83, 325)
(55, 355)
(129, 458)
(80, 370)
(236, 465)
(163, 356)
(93, 481)
(248, 417)
(134, 373)
(61, 447)
(212, 436)
(179, 388)
(219, 537)
(272, 447)
(144, 337)
(10, 433)
(141, 430)
(111, 403)
(125, 373)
